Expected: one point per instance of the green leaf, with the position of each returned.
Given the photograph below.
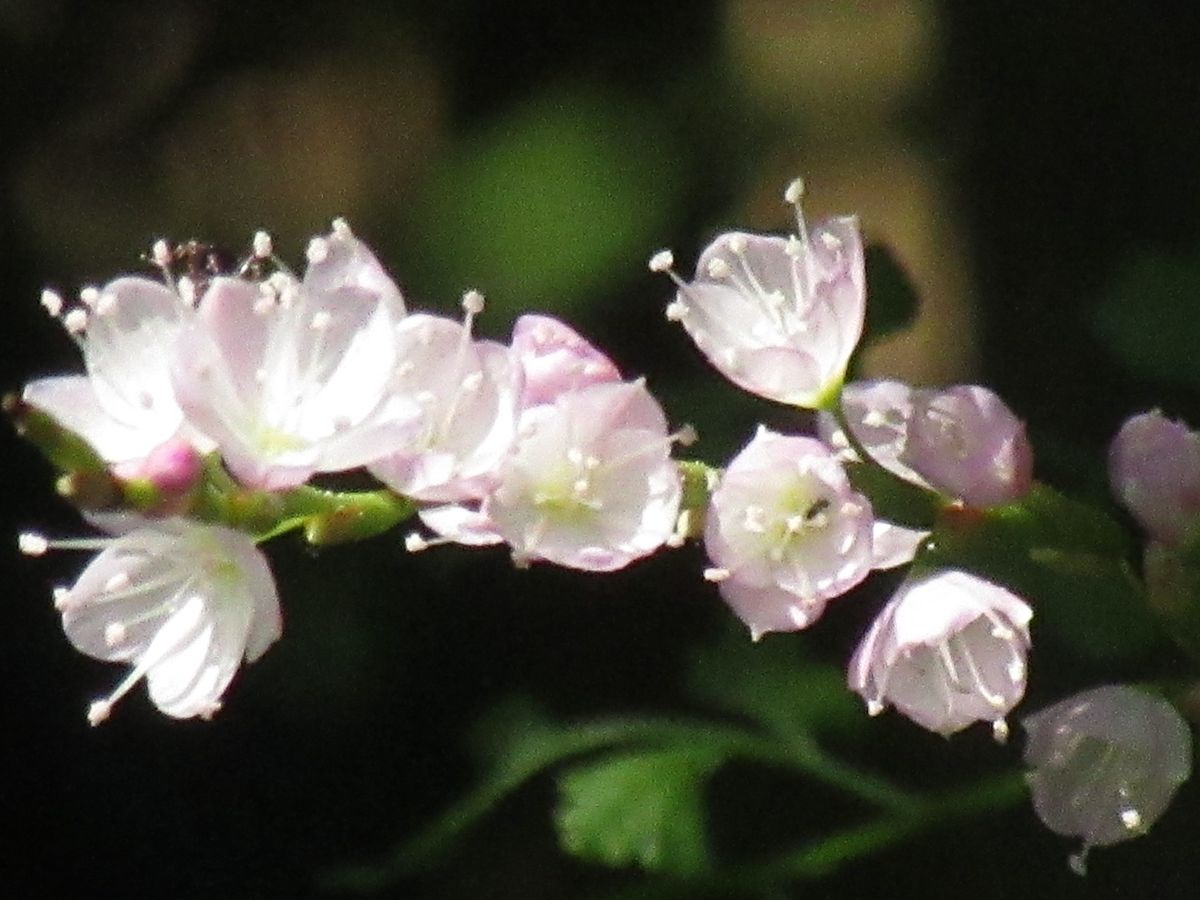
(892, 301)
(643, 807)
(771, 682)
(1149, 319)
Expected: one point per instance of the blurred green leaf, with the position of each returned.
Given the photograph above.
(1149, 319)
(772, 683)
(892, 301)
(547, 204)
(644, 807)
(1067, 558)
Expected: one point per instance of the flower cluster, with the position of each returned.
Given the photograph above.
(786, 529)
(216, 395)
(539, 443)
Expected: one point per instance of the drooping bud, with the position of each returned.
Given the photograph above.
(1105, 764)
(1154, 469)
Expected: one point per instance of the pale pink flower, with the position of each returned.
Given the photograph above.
(182, 603)
(296, 378)
(947, 650)
(466, 395)
(777, 316)
(589, 483)
(555, 359)
(124, 407)
(1154, 468)
(785, 532)
(1105, 764)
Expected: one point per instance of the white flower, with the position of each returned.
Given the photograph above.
(948, 650)
(182, 603)
(777, 316)
(124, 407)
(590, 483)
(1105, 764)
(295, 378)
(786, 532)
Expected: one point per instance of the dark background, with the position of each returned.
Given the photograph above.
(1019, 157)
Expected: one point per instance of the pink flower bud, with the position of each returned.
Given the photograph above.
(1105, 764)
(965, 442)
(173, 468)
(786, 532)
(947, 650)
(1154, 469)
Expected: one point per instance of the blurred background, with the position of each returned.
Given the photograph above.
(1032, 166)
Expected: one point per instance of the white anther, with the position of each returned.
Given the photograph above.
(264, 248)
(1000, 731)
(737, 244)
(187, 290)
(676, 311)
(874, 707)
(98, 712)
(472, 302)
(473, 382)
(795, 190)
(717, 268)
(264, 302)
(318, 250)
(687, 435)
(342, 228)
(1131, 818)
(106, 304)
(662, 261)
(52, 302)
(414, 543)
(62, 598)
(794, 247)
(715, 575)
(114, 633)
(89, 296)
(160, 254)
(32, 544)
(831, 241)
(75, 321)
(117, 582)
(320, 320)
(210, 709)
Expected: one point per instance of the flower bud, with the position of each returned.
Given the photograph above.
(1154, 469)
(1105, 763)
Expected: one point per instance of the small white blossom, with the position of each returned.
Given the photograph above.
(1105, 764)
(948, 649)
(777, 316)
(590, 483)
(786, 532)
(182, 603)
(1154, 469)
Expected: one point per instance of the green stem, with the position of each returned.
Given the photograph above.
(800, 755)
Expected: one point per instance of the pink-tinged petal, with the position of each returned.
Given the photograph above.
(771, 608)
(894, 545)
(879, 413)
(968, 444)
(1154, 469)
(461, 524)
(555, 359)
(339, 264)
(72, 401)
